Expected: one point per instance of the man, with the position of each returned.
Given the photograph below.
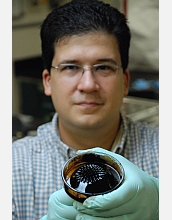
(85, 46)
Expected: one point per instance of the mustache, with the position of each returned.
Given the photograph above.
(90, 99)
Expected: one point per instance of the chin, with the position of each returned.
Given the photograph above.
(90, 122)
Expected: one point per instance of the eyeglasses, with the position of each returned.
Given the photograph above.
(98, 70)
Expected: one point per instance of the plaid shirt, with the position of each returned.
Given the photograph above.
(37, 163)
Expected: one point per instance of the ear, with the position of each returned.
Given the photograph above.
(46, 78)
(126, 76)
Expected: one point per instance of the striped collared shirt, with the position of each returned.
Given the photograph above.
(37, 162)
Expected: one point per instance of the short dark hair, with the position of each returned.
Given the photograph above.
(80, 17)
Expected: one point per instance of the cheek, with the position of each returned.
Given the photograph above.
(60, 102)
(56, 92)
(58, 86)
(115, 88)
(61, 93)
(114, 93)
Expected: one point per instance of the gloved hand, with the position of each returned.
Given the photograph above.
(135, 199)
(60, 206)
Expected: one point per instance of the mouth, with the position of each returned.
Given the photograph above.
(89, 104)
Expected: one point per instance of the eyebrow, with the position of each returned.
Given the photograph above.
(68, 61)
(107, 60)
(110, 60)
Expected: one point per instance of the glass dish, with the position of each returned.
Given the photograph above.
(91, 174)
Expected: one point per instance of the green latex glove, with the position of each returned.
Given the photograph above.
(60, 207)
(136, 199)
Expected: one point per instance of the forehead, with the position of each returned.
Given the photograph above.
(92, 36)
(91, 45)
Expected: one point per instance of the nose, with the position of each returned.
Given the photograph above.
(88, 83)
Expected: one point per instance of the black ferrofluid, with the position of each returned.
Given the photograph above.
(94, 178)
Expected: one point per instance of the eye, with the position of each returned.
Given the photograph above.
(68, 67)
(104, 67)
(105, 70)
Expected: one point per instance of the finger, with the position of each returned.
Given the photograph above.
(84, 151)
(89, 217)
(44, 217)
(122, 217)
(125, 209)
(114, 199)
(62, 213)
(93, 150)
(61, 206)
(62, 197)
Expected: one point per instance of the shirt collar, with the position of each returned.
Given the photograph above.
(65, 149)
(119, 143)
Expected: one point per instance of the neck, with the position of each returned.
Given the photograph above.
(82, 139)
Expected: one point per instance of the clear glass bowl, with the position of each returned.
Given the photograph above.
(91, 174)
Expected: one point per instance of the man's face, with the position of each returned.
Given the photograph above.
(87, 102)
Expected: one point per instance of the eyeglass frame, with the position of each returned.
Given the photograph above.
(87, 67)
